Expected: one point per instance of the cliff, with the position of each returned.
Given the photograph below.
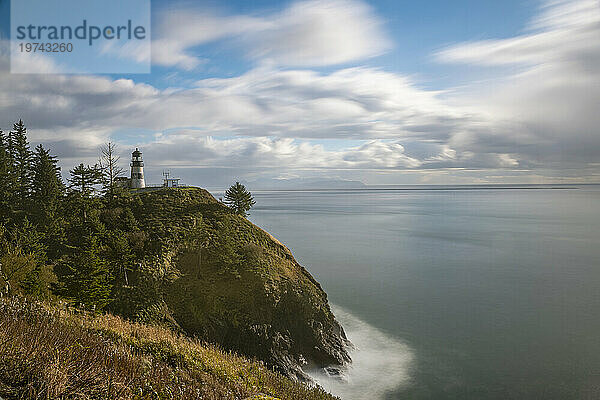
(236, 285)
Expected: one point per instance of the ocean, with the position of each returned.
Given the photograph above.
(454, 292)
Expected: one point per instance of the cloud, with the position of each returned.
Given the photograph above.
(551, 101)
(379, 154)
(305, 33)
(26, 63)
(140, 52)
(565, 31)
(187, 150)
(539, 118)
(275, 113)
(358, 103)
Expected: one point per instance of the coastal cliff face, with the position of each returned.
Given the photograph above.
(234, 284)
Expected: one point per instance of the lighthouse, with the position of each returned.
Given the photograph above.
(137, 170)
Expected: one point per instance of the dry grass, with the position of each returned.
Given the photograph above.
(48, 352)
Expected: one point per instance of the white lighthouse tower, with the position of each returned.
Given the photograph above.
(137, 170)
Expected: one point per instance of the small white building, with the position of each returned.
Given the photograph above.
(170, 182)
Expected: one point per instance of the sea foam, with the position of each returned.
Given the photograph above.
(380, 363)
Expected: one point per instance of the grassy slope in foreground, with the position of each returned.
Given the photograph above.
(50, 352)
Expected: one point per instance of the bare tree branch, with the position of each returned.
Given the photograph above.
(109, 162)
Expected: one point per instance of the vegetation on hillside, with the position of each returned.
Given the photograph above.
(175, 257)
(59, 353)
(230, 282)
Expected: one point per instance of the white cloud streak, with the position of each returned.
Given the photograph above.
(306, 33)
(185, 149)
(553, 98)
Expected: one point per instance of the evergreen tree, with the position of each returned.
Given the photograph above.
(6, 180)
(84, 179)
(15, 267)
(23, 261)
(239, 199)
(21, 156)
(85, 275)
(47, 185)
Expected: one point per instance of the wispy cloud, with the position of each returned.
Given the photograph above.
(306, 33)
(565, 31)
(553, 97)
(185, 149)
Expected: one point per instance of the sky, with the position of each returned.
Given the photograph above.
(385, 92)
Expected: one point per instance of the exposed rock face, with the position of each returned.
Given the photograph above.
(243, 289)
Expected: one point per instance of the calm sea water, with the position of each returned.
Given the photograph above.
(454, 293)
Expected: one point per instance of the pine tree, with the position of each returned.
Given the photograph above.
(7, 186)
(239, 199)
(23, 261)
(21, 156)
(47, 185)
(84, 179)
(85, 276)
